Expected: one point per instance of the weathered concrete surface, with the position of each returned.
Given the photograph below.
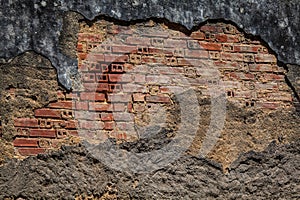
(70, 172)
(37, 25)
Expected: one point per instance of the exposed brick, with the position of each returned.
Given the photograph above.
(196, 53)
(118, 97)
(80, 105)
(268, 105)
(265, 58)
(26, 122)
(275, 77)
(22, 142)
(260, 67)
(139, 78)
(116, 58)
(71, 124)
(92, 96)
(31, 151)
(42, 133)
(61, 104)
(138, 41)
(158, 99)
(246, 48)
(99, 106)
(45, 112)
(138, 97)
(120, 77)
(197, 35)
(232, 56)
(221, 37)
(118, 107)
(211, 46)
(123, 49)
(107, 117)
(109, 125)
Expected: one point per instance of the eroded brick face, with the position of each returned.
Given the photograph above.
(129, 73)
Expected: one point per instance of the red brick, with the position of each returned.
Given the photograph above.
(211, 46)
(73, 132)
(71, 96)
(42, 133)
(61, 104)
(158, 99)
(138, 41)
(138, 97)
(71, 124)
(116, 58)
(22, 142)
(44, 112)
(118, 107)
(210, 28)
(92, 96)
(109, 125)
(221, 37)
(139, 78)
(107, 117)
(198, 35)
(196, 53)
(99, 106)
(246, 48)
(123, 49)
(96, 57)
(268, 105)
(274, 77)
(118, 78)
(130, 107)
(265, 58)
(233, 38)
(260, 67)
(232, 56)
(81, 105)
(31, 151)
(26, 122)
(119, 97)
(118, 135)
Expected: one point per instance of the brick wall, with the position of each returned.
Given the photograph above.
(129, 73)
